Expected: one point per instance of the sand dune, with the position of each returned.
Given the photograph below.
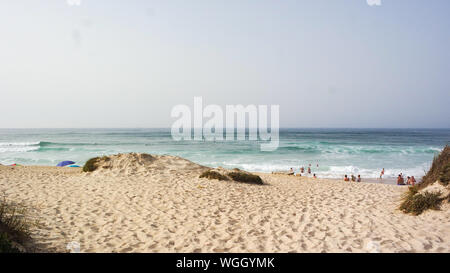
(136, 203)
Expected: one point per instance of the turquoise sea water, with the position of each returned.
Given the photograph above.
(337, 151)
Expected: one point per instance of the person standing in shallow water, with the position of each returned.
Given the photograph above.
(382, 173)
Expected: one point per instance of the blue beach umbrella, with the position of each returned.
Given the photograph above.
(65, 163)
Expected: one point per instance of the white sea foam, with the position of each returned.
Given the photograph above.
(9, 144)
(340, 171)
(329, 171)
(11, 147)
(17, 149)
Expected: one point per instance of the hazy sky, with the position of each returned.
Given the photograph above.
(328, 63)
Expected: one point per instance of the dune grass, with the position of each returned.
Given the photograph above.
(214, 175)
(235, 175)
(91, 164)
(445, 175)
(245, 177)
(15, 225)
(439, 171)
(6, 245)
(416, 203)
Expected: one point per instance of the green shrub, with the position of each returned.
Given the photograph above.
(91, 165)
(245, 177)
(416, 203)
(214, 175)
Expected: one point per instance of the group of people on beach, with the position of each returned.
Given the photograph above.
(353, 178)
(309, 172)
(400, 180)
(410, 180)
(302, 171)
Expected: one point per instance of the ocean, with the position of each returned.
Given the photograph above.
(335, 151)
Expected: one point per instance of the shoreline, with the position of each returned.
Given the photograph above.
(163, 206)
(386, 181)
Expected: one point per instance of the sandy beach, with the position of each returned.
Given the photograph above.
(160, 205)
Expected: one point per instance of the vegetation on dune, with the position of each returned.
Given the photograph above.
(6, 246)
(238, 176)
(214, 175)
(245, 177)
(416, 203)
(439, 171)
(14, 226)
(92, 164)
(445, 175)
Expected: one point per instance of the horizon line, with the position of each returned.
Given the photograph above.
(169, 128)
